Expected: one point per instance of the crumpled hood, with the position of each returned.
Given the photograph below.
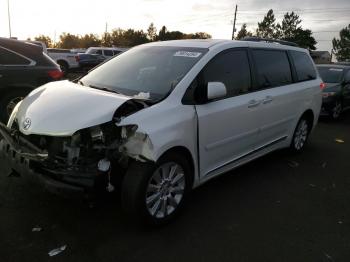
(62, 108)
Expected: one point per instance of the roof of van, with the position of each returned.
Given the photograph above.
(209, 43)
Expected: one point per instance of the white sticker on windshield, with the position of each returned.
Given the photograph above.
(336, 69)
(187, 54)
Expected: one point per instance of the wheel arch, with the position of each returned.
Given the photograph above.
(310, 117)
(62, 61)
(183, 151)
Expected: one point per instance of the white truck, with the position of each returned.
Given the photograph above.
(65, 58)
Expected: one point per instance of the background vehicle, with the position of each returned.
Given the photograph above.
(107, 52)
(38, 43)
(65, 58)
(165, 117)
(23, 67)
(88, 61)
(336, 95)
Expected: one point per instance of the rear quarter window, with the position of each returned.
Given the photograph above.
(8, 57)
(303, 66)
(108, 52)
(273, 68)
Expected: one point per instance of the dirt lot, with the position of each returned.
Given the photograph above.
(278, 208)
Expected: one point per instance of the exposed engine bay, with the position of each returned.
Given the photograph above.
(96, 156)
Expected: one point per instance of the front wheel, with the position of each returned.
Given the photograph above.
(300, 135)
(156, 193)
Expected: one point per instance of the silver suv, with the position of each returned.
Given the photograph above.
(163, 118)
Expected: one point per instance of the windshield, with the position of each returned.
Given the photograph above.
(154, 70)
(331, 75)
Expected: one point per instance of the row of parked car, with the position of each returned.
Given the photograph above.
(72, 60)
(25, 65)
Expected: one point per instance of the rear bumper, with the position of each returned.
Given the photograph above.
(23, 157)
(327, 106)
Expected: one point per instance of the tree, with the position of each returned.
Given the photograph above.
(69, 41)
(162, 33)
(152, 32)
(290, 24)
(243, 32)
(289, 30)
(200, 35)
(341, 46)
(89, 40)
(267, 27)
(46, 39)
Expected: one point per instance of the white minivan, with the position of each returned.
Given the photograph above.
(163, 118)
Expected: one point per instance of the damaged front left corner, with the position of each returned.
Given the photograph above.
(138, 146)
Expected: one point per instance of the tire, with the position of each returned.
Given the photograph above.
(146, 201)
(9, 101)
(336, 110)
(301, 135)
(64, 67)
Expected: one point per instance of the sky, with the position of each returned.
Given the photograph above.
(30, 18)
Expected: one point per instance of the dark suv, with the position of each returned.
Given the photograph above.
(336, 95)
(23, 67)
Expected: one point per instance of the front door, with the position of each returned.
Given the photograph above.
(227, 127)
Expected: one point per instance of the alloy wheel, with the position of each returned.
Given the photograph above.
(336, 110)
(301, 134)
(165, 190)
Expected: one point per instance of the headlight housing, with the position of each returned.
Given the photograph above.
(128, 131)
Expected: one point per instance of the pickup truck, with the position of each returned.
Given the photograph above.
(65, 58)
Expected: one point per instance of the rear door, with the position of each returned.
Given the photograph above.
(279, 97)
(227, 127)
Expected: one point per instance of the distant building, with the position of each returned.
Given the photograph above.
(321, 57)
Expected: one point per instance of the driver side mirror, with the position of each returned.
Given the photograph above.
(216, 90)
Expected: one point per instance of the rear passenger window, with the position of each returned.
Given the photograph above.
(108, 52)
(273, 68)
(9, 58)
(232, 69)
(303, 66)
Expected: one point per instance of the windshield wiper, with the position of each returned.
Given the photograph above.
(103, 89)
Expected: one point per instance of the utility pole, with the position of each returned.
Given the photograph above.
(106, 33)
(234, 24)
(9, 17)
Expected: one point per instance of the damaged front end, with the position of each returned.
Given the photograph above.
(90, 160)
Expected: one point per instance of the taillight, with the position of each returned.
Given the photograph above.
(77, 58)
(55, 74)
(322, 86)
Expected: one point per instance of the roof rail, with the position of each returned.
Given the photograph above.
(268, 40)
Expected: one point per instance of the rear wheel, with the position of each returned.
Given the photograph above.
(336, 110)
(8, 103)
(156, 193)
(64, 67)
(300, 135)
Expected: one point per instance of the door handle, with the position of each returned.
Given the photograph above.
(253, 103)
(267, 100)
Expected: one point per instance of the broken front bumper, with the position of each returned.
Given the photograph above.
(29, 160)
